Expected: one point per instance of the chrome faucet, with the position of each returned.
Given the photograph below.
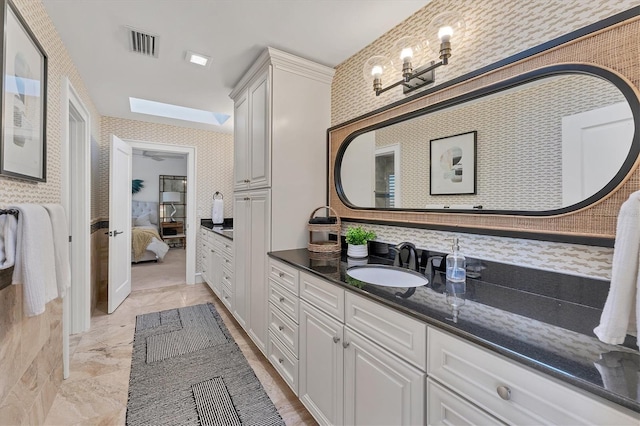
(411, 259)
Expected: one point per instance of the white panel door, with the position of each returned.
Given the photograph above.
(241, 256)
(260, 220)
(379, 388)
(260, 134)
(119, 223)
(594, 146)
(241, 143)
(321, 365)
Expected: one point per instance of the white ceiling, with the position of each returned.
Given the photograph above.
(232, 32)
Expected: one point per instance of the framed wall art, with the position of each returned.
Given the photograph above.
(453, 164)
(24, 89)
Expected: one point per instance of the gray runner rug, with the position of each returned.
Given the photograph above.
(187, 370)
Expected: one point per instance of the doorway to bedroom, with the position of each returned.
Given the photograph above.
(159, 195)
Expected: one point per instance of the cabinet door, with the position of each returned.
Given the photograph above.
(215, 268)
(260, 132)
(321, 365)
(259, 225)
(242, 244)
(379, 388)
(241, 143)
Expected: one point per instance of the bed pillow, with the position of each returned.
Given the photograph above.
(142, 220)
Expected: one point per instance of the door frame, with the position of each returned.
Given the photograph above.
(75, 159)
(395, 150)
(191, 226)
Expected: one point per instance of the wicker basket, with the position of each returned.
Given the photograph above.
(334, 228)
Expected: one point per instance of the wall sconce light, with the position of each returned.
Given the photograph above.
(443, 29)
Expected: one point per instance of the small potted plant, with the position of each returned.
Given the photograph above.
(357, 238)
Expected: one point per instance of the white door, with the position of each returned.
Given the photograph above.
(321, 365)
(119, 223)
(258, 295)
(260, 146)
(380, 389)
(241, 257)
(594, 146)
(241, 143)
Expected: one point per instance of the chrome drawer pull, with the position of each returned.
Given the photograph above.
(280, 328)
(281, 299)
(336, 339)
(281, 274)
(345, 345)
(504, 392)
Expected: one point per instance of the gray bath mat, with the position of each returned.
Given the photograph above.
(187, 370)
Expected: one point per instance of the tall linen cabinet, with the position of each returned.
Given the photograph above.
(281, 115)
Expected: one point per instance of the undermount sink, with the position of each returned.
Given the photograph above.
(388, 276)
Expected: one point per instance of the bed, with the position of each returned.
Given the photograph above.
(144, 223)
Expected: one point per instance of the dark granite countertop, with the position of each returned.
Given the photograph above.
(226, 229)
(540, 319)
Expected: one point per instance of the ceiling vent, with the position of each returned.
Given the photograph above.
(143, 43)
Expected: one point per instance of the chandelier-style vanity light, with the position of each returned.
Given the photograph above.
(443, 30)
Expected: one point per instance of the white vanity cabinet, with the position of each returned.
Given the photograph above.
(487, 384)
(217, 264)
(282, 111)
(346, 378)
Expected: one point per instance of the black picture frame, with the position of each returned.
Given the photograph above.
(452, 164)
(23, 145)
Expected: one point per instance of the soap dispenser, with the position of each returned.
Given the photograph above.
(456, 285)
(456, 264)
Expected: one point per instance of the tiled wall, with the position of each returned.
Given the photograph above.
(214, 164)
(31, 348)
(495, 30)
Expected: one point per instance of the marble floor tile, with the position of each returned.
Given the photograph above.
(97, 389)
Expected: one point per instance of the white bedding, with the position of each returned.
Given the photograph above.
(140, 210)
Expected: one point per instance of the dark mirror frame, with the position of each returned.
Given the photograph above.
(538, 74)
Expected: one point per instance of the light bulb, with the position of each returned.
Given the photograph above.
(374, 68)
(376, 71)
(445, 33)
(406, 54)
(446, 27)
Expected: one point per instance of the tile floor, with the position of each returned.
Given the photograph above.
(96, 391)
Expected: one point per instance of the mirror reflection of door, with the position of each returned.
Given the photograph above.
(387, 184)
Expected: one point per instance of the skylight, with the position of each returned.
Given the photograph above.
(160, 109)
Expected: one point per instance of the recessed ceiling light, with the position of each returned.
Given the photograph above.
(160, 109)
(197, 58)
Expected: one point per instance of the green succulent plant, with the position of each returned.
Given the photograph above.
(357, 235)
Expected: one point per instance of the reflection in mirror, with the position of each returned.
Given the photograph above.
(543, 145)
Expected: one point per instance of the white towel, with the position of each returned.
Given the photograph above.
(217, 211)
(8, 240)
(61, 246)
(35, 261)
(619, 316)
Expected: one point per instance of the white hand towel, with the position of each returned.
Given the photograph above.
(217, 211)
(619, 316)
(61, 246)
(8, 240)
(35, 261)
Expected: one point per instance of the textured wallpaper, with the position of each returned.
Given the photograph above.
(60, 66)
(496, 29)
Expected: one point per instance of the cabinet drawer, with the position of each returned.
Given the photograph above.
(283, 361)
(477, 374)
(284, 275)
(227, 297)
(284, 328)
(227, 279)
(287, 302)
(322, 294)
(227, 259)
(226, 245)
(446, 408)
(400, 334)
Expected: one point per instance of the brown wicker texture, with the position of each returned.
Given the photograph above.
(324, 246)
(615, 48)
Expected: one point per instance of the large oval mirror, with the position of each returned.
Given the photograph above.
(547, 142)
